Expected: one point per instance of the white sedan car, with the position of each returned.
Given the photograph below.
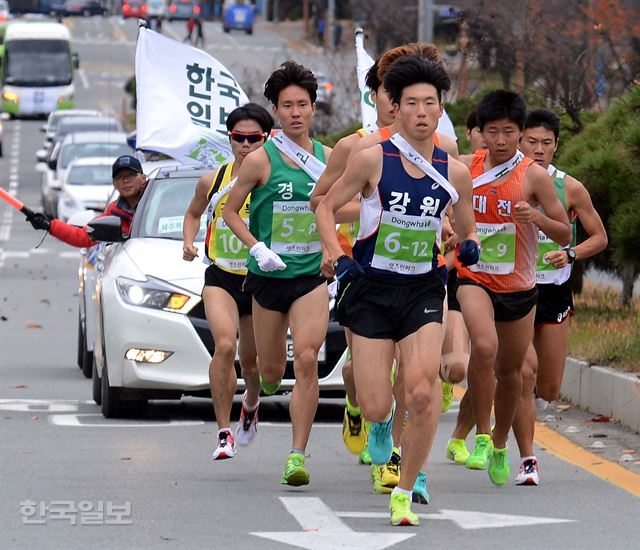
(86, 185)
(151, 339)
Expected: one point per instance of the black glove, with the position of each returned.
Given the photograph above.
(347, 270)
(39, 220)
(469, 252)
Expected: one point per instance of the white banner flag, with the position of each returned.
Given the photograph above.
(183, 99)
(367, 107)
(364, 63)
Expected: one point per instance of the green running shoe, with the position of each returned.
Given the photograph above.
(364, 457)
(267, 388)
(420, 494)
(295, 474)
(499, 466)
(457, 451)
(479, 457)
(400, 508)
(447, 396)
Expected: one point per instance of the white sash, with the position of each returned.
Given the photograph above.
(551, 169)
(211, 208)
(409, 152)
(305, 160)
(498, 171)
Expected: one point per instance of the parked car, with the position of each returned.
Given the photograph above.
(238, 17)
(86, 185)
(4, 11)
(134, 8)
(73, 146)
(183, 9)
(151, 338)
(55, 117)
(324, 96)
(84, 8)
(157, 9)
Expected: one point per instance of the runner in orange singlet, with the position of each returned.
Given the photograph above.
(498, 295)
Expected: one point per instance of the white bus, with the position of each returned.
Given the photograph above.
(37, 68)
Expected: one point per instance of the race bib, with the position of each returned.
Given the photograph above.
(230, 251)
(294, 229)
(498, 248)
(405, 243)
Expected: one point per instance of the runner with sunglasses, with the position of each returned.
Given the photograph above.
(227, 306)
(284, 268)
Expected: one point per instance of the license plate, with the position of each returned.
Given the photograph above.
(321, 354)
(240, 17)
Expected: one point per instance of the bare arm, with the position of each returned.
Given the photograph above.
(539, 190)
(251, 174)
(191, 224)
(580, 201)
(358, 174)
(465, 220)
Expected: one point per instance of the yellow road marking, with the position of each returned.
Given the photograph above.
(566, 450)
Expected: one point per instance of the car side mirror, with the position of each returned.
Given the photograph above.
(82, 218)
(43, 128)
(75, 60)
(52, 163)
(106, 229)
(41, 155)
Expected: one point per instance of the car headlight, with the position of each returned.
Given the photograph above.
(65, 98)
(156, 294)
(10, 97)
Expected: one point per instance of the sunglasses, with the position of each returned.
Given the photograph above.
(252, 137)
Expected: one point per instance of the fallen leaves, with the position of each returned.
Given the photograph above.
(601, 418)
(33, 325)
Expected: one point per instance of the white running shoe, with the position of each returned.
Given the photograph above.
(226, 446)
(247, 427)
(528, 473)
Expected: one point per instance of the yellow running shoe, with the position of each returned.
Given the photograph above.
(376, 473)
(400, 508)
(447, 396)
(354, 432)
(390, 472)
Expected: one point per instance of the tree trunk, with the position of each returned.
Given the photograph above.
(628, 275)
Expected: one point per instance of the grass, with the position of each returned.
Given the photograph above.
(603, 332)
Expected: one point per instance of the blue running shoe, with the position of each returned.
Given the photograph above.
(420, 493)
(380, 440)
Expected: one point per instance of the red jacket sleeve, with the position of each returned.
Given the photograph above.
(70, 234)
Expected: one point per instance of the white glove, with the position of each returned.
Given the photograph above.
(267, 259)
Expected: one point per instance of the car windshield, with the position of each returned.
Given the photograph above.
(165, 207)
(84, 150)
(92, 174)
(68, 125)
(38, 63)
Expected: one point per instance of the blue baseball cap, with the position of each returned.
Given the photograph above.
(126, 161)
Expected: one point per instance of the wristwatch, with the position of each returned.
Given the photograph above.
(571, 254)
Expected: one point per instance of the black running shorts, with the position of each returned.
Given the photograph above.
(452, 284)
(555, 304)
(508, 306)
(278, 294)
(231, 284)
(391, 309)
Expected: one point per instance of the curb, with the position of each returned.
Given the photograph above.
(603, 391)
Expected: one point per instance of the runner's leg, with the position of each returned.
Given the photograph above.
(248, 360)
(551, 343)
(308, 319)
(222, 316)
(525, 418)
(270, 333)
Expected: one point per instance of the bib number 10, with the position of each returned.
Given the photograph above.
(230, 243)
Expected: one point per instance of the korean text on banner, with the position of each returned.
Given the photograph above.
(184, 96)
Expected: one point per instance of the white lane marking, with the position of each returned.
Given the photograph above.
(321, 528)
(469, 519)
(42, 405)
(73, 421)
(12, 254)
(70, 254)
(85, 80)
(288, 426)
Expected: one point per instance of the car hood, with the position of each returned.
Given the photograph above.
(162, 258)
(90, 193)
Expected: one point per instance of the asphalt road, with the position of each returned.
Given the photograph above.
(153, 479)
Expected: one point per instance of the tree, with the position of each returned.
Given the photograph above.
(605, 157)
